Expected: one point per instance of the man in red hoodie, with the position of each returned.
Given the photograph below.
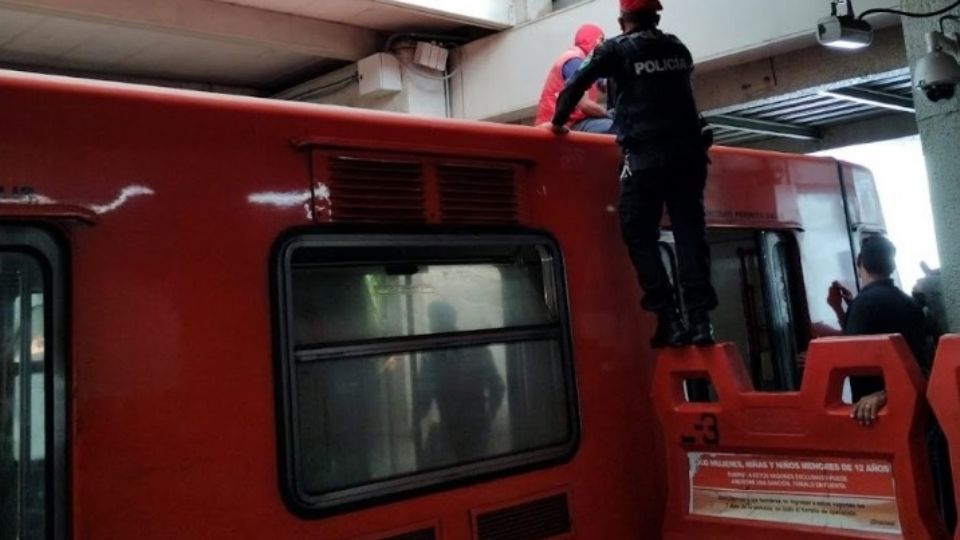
(589, 115)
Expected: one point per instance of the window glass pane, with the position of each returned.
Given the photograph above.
(736, 278)
(370, 419)
(751, 272)
(22, 409)
(336, 303)
(780, 311)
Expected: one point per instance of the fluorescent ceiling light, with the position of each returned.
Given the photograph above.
(844, 32)
(494, 14)
(849, 45)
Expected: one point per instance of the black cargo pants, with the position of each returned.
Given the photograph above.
(643, 194)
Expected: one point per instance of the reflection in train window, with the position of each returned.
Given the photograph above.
(410, 362)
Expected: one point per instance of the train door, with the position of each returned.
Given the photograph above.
(758, 281)
(33, 385)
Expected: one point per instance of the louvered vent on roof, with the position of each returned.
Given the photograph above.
(422, 534)
(535, 520)
(376, 190)
(477, 194)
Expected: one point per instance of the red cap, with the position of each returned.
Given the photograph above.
(640, 5)
(588, 37)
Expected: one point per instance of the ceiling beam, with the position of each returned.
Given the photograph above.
(135, 79)
(799, 73)
(765, 127)
(208, 19)
(884, 128)
(874, 98)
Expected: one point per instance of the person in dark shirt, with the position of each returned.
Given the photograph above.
(665, 147)
(881, 308)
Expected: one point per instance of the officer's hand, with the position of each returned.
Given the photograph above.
(866, 410)
(558, 130)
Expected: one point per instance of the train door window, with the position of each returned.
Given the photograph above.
(755, 275)
(32, 400)
(409, 362)
(787, 329)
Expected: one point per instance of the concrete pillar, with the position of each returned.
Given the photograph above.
(939, 125)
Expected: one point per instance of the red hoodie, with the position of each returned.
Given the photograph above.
(587, 39)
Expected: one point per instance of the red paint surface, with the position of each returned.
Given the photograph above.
(944, 395)
(173, 419)
(811, 422)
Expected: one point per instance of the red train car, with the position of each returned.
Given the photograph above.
(238, 318)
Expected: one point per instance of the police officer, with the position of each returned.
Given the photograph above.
(665, 162)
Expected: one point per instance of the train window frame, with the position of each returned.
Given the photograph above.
(47, 249)
(796, 340)
(310, 505)
(786, 378)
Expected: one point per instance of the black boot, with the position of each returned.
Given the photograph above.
(701, 331)
(671, 332)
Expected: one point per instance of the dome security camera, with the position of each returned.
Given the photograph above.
(937, 73)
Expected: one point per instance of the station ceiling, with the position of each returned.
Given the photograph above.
(257, 46)
(806, 116)
(262, 47)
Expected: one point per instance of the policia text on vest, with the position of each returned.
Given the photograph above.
(661, 65)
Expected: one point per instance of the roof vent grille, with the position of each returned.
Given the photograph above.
(477, 194)
(376, 190)
(535, 520)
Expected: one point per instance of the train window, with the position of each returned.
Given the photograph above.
(408, 362)
(31, 387)
(318, 320)
(756, 275)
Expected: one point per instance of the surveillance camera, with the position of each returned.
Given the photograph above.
(937, 75)
(844, 32)
(940, 92)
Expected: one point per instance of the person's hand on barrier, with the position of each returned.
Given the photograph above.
(866, 410)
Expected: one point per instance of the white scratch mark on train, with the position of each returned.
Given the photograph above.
(280, 199)
(323, 203)
(284, 200)
(323, 192)
(125, 195)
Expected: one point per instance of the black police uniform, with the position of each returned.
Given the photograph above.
(882, 308)
(665, 158)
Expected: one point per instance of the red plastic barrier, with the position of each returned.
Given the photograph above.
(791, 466)
(944, 396)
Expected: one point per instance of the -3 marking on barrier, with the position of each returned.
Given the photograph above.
(708, 428)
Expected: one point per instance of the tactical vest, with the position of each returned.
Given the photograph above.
(655, 106)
